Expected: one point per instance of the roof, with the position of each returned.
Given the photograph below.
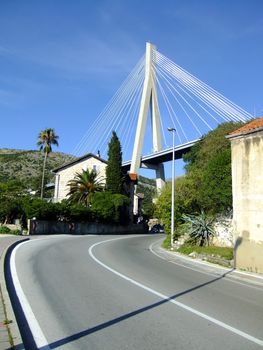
(253, 126)
(139, 195)
(78, 160)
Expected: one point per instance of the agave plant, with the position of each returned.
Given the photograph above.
(201, 228)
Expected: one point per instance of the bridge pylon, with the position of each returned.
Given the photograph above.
(149, 101)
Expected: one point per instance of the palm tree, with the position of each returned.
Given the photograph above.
(46, 138)
(83, 186)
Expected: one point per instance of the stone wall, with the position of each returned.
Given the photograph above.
(247, 178)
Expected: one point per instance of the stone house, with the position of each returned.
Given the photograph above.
(247, 188)
(67, 172)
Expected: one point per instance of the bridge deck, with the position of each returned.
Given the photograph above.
(162, 156)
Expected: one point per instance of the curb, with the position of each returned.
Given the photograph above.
(12, 327)
(256, 279)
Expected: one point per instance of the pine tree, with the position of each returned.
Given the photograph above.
(114, 176)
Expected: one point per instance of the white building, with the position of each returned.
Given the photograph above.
(247, 184)
(67, 172)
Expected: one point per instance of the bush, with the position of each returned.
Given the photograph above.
(167, 242)
(15, 232)
(108, 207)
(42, 210)
(78, 213)
(4, 230)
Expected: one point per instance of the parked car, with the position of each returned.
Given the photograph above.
(157, 229)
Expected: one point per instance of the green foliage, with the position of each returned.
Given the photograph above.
(7, 230)
(149, 191)
(47, 138)
(64, 211)
(114, 176)
(69, 212)
(4, 230)
(42, 210)
(108, 207)
(167, 241)
(83, 187)
(207, 183)
(208, 166)
(184, 202)
(11, 194)
(223, 252)
(103, 207)
(201, 228)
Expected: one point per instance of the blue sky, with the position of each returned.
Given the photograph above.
(61, 61)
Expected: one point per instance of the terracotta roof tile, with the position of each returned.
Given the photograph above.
(253, 125)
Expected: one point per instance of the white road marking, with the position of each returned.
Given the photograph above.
(165, 297)
(229, 278)
(37, 333)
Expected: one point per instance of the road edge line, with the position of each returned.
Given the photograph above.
(35, 328)
(165, 297)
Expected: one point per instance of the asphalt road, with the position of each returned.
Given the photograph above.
(106, 292)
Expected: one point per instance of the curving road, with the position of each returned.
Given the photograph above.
(106, 292)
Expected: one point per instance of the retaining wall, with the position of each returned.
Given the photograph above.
(38, 227)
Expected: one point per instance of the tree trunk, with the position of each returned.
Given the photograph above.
(43, 177)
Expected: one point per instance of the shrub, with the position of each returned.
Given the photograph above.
(79, 213)
(4, 229)
(42, 210)
(108, 207)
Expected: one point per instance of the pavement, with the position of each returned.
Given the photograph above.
(10, 337)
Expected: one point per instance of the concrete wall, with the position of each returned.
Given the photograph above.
(247, 178)
(38, 227)
(64, 175)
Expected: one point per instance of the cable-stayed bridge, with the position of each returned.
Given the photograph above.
(158, 94)
(151, 161)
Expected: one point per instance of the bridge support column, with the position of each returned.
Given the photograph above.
(160, 178)
(149, 99)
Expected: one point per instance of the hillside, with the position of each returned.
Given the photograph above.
(26, 166)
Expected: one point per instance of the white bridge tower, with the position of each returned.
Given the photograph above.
(149, 100)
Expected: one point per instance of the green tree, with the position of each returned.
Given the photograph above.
(46, 138)
(207, 184)
(114, 176)
(208, 165)
(11, 193)
(83, 186)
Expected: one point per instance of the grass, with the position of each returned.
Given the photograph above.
(167, 242)
(6, 230)
(222, 252)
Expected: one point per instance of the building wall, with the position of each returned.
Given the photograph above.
(247, 177)
(63, 176)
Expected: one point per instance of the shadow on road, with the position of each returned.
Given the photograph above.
(116, 320)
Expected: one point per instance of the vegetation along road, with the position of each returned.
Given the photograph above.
(109, 292)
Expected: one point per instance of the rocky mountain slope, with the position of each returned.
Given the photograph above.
(26, 166)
